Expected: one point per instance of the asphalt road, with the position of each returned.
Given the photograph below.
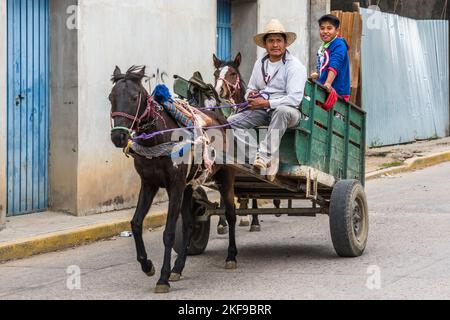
(407, 257)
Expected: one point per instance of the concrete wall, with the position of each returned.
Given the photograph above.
(244, 27)
(63, 167)
(318, 8)
(3, 97)
(294, 15)
(178, 37)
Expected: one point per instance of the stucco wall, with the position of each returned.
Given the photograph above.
(318, 8)
(176, 36)
(64, 108)
(3, 97)
(244, 27)
(294, 15)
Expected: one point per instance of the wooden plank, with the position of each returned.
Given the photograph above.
(355, 53)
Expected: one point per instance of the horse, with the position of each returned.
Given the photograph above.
(135, 112)
(231, 87)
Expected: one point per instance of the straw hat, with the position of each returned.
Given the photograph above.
(275, 27)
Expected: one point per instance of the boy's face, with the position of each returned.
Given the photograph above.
(328, 32)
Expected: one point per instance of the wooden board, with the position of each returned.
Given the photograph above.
(351, 31)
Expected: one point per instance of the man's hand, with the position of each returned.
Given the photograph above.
(259, 103)
(252, 94)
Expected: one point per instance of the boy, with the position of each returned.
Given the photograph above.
(333, 65)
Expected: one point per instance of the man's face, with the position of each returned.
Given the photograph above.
(276, 45)
(328, 32)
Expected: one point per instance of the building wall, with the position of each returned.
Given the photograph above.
(178, 37)
(63, 167)
(3, 97)
(294, 15)
(318, 8)
(244, 27)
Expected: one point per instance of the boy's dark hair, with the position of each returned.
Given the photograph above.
(331, 19)
(271, 34)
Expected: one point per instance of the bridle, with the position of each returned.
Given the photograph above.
(232, 88)
(152, 110)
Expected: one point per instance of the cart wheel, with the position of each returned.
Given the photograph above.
(200, 233)
(349, 218)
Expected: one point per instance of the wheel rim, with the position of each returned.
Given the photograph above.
(358, 220)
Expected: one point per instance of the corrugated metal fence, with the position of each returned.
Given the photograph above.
(405, 67)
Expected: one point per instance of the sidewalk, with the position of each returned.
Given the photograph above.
(38, 233)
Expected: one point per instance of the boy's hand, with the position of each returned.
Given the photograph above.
(328, 87)
(314, 76)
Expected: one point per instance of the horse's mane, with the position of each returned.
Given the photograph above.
(134, 73)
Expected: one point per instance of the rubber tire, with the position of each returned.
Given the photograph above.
(345, 242)
(200, 235)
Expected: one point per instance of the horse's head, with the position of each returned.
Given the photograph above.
(128, 104)
(228, 81)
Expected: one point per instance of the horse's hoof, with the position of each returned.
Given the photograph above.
(222, 230)
(255, 228)
(231, 265)
(162, 288)
(152, 272)
(278, 215)
(244, 223)
(174, 277)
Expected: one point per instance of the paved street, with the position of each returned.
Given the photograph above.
(293, 258)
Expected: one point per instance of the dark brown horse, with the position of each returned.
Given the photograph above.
(231, 87)
(133, 112)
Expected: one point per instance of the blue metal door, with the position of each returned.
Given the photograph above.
(224, 29)
(28, 106)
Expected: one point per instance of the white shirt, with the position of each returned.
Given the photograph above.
(272, 69)
(286, 87)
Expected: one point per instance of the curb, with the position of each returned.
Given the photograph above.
(24, 248)
(411, 165)
(51, 242)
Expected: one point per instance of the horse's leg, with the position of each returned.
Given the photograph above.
(175, 192)
(226, 177)
(277, 204)
(222, 227)
(256, 227)
(188, 225)
(146, 197)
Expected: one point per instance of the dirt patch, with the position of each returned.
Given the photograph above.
(394, 156)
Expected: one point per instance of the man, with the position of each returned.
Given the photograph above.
(275, 92)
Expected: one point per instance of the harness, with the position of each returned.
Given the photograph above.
(232, 88)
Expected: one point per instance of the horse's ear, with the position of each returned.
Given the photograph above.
(217, 62)
(238, 60)
(142, 72)
(117, 72)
